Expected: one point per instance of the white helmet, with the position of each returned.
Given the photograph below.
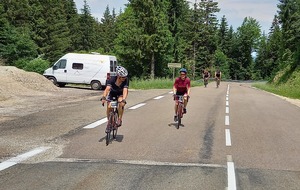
(121, 71)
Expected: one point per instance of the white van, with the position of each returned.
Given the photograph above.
(92, 69)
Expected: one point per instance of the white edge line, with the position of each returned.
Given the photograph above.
(137, 106)
(227, 137)
(96, 124)
(12, 161)
(227, 103)
(4, 165)
(158, 97)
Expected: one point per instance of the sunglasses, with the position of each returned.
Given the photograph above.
(182, 74)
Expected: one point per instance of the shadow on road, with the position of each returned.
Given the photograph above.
(175, 125)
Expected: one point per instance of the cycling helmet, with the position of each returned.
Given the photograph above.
(121, 71)
(183, 70)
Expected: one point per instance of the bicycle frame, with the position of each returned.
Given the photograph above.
(180, 107)
(112, 121)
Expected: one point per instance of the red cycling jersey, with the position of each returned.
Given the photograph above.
(182, 85)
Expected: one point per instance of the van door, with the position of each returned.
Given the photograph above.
(60, 71)
(76, 73)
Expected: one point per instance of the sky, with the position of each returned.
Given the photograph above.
(234, 10)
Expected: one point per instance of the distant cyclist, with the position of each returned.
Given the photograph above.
(206, 76)
(117, 87)
(182, 86)
(218, 76)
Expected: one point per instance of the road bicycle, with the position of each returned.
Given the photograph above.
(112, 126)
(180, 107)
(218, 82)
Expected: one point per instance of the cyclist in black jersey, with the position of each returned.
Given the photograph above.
(117, 87)
(218, 76)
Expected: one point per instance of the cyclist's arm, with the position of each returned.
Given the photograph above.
(125, 93)
(175, 87)
(189, 91)
(188, 88)
(106, 91)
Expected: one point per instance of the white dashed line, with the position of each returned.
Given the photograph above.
(227, 120)
(231, 174)
(227, 136)
(227, 103)
(96, 124)
(227, 110)
(158, 97)
(15, 160)
(137, 106)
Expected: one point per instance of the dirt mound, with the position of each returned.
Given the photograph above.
(16, 82)
(22, 93)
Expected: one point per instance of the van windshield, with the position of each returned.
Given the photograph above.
(61, 64)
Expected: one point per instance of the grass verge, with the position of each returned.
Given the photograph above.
(159, 83)
(286, 90)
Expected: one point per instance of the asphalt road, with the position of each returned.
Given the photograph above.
(233, 137)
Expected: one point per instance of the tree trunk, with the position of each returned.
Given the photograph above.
(152, 75)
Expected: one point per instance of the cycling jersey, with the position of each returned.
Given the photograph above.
(116, 91)
(182, 85)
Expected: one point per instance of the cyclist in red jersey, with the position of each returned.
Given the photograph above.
(182, 86)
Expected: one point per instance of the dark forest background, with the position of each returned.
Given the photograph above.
(147, 35)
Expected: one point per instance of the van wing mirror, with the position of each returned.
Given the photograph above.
(54, 67)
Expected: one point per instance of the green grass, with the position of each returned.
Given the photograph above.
(286, 83)
(286, 90)
(159, 83)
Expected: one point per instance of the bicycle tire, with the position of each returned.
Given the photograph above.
(107, 138)
(179, 115)
(108, 134)
(115, 127)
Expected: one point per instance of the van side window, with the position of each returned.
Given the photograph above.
(115, 65)
(62, 64)
(78, 66)
(111, 66)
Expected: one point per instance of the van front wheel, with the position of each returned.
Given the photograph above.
(53, 80)
(95, 85)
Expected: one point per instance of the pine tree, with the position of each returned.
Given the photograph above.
(156, 38)
(248, 37)
(87, 29)
(107, 31)
(207, 31)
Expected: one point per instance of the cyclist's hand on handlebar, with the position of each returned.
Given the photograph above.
(103, 100)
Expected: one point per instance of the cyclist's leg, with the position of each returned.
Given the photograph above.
(176, 107)
(108, 107)
(185, 99)
(120, 109)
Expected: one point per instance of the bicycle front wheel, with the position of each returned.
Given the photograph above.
(115, 127)
(179, 116)
(109, 128)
